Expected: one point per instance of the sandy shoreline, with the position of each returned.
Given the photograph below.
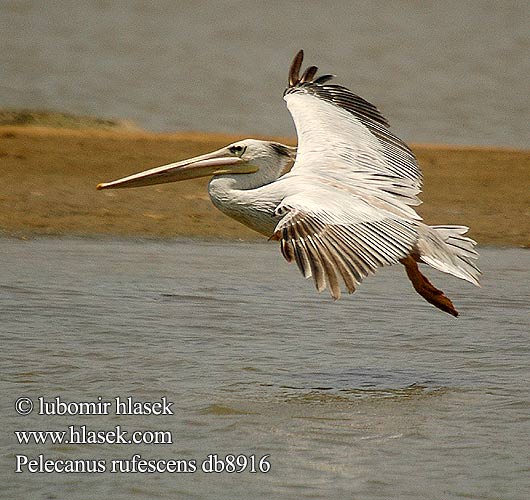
(48, 178)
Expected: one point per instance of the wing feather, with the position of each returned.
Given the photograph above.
(309, 74)
(320, 254)
(340, 236)
(300, 254)
(287, 249)
(315, 264)
(294, 72)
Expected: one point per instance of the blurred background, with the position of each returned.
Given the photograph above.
(444, 72)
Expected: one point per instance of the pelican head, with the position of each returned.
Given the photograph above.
(258, 162)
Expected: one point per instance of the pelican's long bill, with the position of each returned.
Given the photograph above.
(216, 163)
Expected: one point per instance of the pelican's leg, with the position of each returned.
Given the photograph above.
(425, 288)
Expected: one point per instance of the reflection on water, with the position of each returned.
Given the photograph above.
(377, 395)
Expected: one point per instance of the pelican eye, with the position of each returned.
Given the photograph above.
(237, 150)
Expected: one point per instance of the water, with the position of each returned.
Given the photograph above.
(446, 72)
(375, 396)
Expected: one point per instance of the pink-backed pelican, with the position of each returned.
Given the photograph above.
(340, 204)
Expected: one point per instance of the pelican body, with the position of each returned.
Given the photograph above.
(341, 203)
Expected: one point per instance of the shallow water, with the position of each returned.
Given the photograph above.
(445, 72)
(375, 396)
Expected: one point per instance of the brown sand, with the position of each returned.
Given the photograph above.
(49, 176)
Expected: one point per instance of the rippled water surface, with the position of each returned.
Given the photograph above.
(446, 72)
(375, 396)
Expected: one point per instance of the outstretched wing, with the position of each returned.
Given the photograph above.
(343, 137)
(331, 235)
(355, 184)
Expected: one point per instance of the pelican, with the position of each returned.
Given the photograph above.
(341, 203)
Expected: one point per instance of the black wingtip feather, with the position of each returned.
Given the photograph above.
(323, 79)
(309, 74)
(294, 72)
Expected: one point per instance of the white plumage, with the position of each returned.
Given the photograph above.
(345, 207)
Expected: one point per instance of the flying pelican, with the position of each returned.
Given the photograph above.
(344, 208)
